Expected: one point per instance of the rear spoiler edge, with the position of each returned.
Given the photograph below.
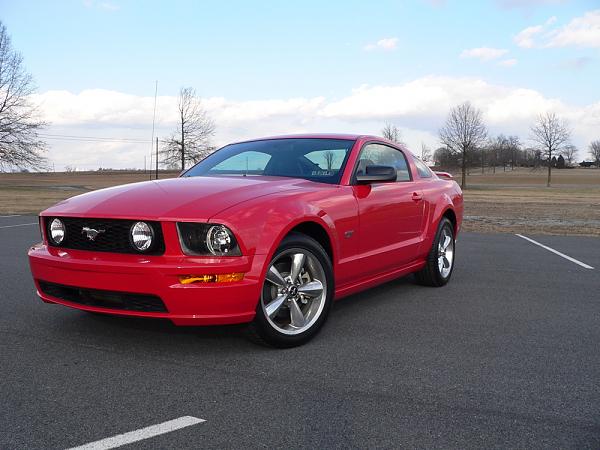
(445, 175)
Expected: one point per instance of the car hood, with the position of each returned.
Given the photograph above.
(175, 198)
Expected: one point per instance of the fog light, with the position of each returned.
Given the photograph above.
(211, 278)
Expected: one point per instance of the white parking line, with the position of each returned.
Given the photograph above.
(567, 257)
(141, 434)
(11, 215)
(19, 225)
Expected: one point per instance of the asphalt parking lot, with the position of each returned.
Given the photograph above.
(506, 355)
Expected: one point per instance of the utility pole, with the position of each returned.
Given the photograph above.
(157, 157)
(153, 124)
(145, 165)
(182, 143)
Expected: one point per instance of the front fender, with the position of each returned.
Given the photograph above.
(318, 217)
(262, 223)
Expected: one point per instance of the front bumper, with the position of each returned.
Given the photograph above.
(192, 304)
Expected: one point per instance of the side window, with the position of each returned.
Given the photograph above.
(327, 162)
(422, 169)
(382, 155)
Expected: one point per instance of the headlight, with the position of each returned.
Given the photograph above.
(57, 231)
(207, 239)
(142, 236)
(219, 240)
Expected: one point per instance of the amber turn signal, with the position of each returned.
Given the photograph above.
(212, 278)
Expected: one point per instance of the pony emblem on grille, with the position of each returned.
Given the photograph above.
(91, 233)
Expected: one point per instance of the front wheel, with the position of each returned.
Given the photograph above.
(296, 295)
(440, 261)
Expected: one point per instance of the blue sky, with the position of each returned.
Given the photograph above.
(312, 65)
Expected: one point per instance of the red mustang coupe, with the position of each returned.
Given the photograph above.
(268, 231)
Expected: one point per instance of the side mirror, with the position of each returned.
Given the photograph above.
(377, 174)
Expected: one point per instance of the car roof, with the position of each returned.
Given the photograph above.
(349, 137)
(343, 136)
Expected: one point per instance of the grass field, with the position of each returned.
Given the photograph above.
(32, 192)
(520, 202)
(515, 202)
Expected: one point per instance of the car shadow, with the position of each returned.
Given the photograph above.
(162, 334)
(376, 296)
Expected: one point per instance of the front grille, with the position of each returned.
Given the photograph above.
(115, 237)
(104, 299)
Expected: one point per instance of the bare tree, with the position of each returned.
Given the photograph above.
(491, 150)
(595, 152)
(569, 153)
(329, 159)
(514, 147)
(463, 133)
(551, 134)
(392, 133)
(425, 152)
(191, 142)
(20, 144)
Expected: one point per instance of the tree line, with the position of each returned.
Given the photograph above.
(466, 144)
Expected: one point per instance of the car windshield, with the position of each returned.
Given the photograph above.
(320, 160)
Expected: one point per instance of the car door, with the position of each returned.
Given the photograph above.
(390, 213)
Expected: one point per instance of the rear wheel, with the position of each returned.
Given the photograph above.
(297, 294)
(440, 261)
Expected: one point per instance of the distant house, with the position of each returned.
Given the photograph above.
(586, 164)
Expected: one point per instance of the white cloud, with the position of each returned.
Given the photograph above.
(431, 97)
(107, 6)
(581, 32)
(484, 53)
(527, 4)
(436, 3)
(525, 37)
(385, 44)
(576, 63)
(508, 62)
(419, 107)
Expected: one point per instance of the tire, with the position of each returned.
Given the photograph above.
(289, 313)
(443, 251)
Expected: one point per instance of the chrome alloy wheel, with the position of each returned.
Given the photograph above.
(295, 291)
(445, 252)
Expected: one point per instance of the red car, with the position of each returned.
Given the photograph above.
(268, 231)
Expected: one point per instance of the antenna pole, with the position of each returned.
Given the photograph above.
(153, 123)
(157, 157)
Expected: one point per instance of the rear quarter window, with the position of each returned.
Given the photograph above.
(422, 169)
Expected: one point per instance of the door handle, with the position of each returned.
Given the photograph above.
(417, 197)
